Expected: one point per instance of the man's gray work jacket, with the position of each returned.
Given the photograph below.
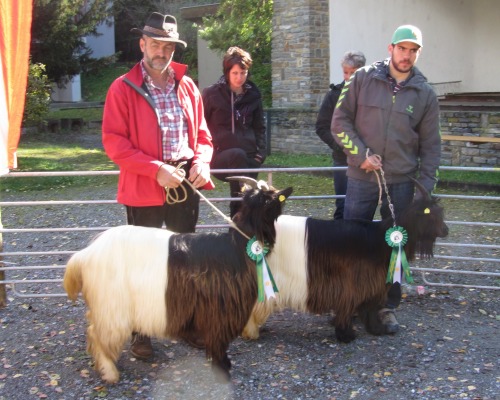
(402, 128)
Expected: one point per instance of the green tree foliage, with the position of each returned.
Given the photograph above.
(58, 34)
(37, 101)
(246, 24)
(133, 14)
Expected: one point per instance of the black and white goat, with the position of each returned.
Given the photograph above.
(321, 266)
(162, 284)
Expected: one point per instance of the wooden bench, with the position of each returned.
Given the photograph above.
(473, 139)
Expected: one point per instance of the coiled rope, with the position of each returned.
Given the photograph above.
(176, 198)
(173, 195)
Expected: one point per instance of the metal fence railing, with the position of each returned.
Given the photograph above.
(469, 254)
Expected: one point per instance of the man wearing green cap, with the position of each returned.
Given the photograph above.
(387, 119)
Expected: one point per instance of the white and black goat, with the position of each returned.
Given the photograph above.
(321, 266)
(167, 285)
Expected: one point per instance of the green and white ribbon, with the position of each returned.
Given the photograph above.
(396, 237)
(257, 252)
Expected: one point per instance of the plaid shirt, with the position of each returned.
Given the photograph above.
(173, 124)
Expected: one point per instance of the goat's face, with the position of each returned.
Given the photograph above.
(260, 209)
(425, 220)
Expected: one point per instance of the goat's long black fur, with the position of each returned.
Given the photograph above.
(322, 265)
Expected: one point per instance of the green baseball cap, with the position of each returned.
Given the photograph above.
(407, 33)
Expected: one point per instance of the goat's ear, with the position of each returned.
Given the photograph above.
(282, 195)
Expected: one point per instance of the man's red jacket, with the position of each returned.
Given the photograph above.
(131, 134)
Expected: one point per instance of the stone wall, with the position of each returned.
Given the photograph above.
(470, 153)
(300, 53)
(293, 131)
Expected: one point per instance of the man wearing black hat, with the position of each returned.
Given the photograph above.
(387, 120)
(155, 130)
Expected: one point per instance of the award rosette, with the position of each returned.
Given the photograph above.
(396, 237)
(257, 252)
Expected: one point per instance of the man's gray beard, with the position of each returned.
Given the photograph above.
(163, 69)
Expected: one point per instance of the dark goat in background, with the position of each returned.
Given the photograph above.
(321, 266)
(162, 284)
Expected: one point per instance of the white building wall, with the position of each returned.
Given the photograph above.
(460, 49)
(71, 92)
(104, 44)
(209, 65)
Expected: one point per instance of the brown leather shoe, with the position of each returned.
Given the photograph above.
(141, 347)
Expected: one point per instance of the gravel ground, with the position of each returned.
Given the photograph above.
(448, 345)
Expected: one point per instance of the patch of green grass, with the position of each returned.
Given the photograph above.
(62, 152)
(95, 85)
(307, 160)
(283, 160)
(87, 114)
(47, 152)
(477, 177)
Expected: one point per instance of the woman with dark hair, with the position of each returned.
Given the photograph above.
(235, 118)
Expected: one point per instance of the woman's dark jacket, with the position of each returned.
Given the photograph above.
(247, 114)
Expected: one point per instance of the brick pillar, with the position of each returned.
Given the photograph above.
(300, 53)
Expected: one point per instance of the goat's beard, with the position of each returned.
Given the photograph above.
(425, 249)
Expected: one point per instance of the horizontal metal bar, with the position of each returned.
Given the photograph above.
(36, 295)
(262, 169)
(467, 258)
(30, 281)
(461, 285)
(469, 223)
(37, 253)
(214, 200)
(475, 245)
(454, 271)
(32, 268)
(95, 228)
(465, 197)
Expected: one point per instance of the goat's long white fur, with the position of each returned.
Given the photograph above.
(288, 264)
(289, 258)
(125, 273)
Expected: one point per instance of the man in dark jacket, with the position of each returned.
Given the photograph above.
(351, 61)
(235, 117)
(388, 119)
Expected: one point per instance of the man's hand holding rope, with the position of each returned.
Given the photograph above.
(199, 174)
(371, 163)
(169, 176)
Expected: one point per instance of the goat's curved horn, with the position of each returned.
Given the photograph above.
(423, 190)
(245, 179)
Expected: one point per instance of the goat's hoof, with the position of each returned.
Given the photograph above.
(250, 334)
(221, 375)
(110, 376)
(345, 336)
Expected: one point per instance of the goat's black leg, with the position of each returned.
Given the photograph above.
(344, 331)
(221, 371)
(221, 364)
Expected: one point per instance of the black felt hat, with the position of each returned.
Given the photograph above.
(161, 27)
